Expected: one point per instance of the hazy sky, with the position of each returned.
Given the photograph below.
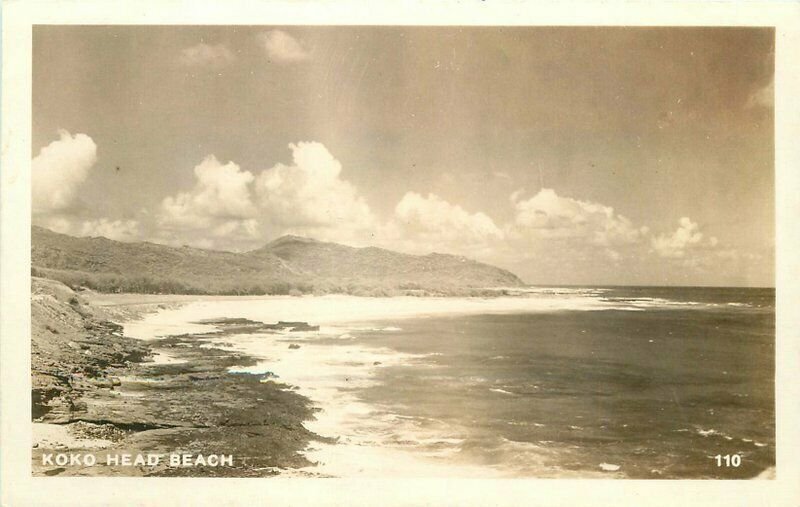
(568, 155)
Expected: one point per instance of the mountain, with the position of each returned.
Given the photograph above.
(288, 264)
(378, 266)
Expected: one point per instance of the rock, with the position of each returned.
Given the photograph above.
(115, 381)
(297, 326)
(294, 346)
(376, 363)
(609, 467)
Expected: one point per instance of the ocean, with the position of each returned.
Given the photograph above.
(642, 383)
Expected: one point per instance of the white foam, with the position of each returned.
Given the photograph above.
(339, 309)
(372, 441)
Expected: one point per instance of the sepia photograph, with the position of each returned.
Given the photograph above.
(377, 251)
(454, 253)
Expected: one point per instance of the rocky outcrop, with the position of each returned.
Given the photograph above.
(96, 389)
(71, 352)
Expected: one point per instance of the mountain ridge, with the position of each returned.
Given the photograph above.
(289, 264)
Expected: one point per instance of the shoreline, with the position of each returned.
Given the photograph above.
(185, 400)
(338, 434)
(326, 368)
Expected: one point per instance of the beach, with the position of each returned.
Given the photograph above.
(547, 383)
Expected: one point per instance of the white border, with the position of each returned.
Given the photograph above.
(19, 488)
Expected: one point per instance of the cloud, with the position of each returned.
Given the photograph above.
(433, 224)
(119, 230)
(550, 216)
(219, 206)
(763, 97)
(59, 170)
(202, 54)
(684, 239)
(221, 191)
(282, 47)
(231, 208)
(310, 196)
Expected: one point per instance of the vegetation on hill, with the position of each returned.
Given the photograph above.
(288, 265)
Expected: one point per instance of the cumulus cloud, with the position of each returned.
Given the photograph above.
(219, 205)
(548, 215)
(232, 208)
(310, 196)
(684, 239)
(282, 47)
(59, 170)
(202, 54)
(430, 223)
(221, 191)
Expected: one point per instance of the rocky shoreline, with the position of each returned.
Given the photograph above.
(98, 393)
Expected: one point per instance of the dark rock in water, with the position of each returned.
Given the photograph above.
(297, 326)
(376, 363)
(242, 325)
(229, 321)
(55, 471)
(294, 346)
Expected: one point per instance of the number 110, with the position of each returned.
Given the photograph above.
(729, 460)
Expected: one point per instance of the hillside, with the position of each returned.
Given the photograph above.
(378, 266)
(289, 264)
(113, 266)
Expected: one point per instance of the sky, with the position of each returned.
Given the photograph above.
(573, 155)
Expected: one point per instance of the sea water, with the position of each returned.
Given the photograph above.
(607, 382)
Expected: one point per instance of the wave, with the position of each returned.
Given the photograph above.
(361, 313)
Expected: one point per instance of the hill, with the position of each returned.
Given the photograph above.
(290, 264)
